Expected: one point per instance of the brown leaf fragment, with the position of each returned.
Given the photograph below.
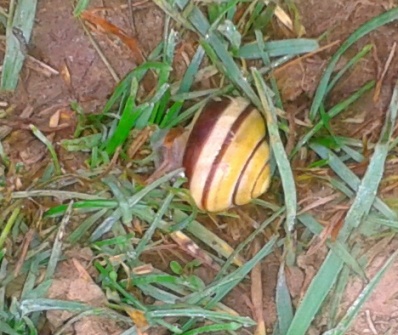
(257, 294)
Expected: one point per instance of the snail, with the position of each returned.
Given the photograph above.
(224, 152)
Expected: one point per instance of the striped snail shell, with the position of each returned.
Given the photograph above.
(226, 157)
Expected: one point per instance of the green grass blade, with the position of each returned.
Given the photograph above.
(156, 222)
(289, 47)
(37, 305)
(80, 7)
(333, 112)
(84, 143)
(350, 178)
(49, 146)
(85, 226)
(212, 42)
(8, 226)
(376, 220)
(247, 241)
(125, 84)
(121, 198)
(274, 86)
(201, 313)
(221, 327)
(62, 195)
(222, 287)
(363, 30)
(350, 64)
(5, 328)
(337, 247)
(284, 304)
(317, 291)
(57, 247)
(184, 87)
(131, 331)
(110, 281)
(338, 294)
(19, 30)
(129, 117)
(278, 151)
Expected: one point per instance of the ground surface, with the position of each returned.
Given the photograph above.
(59, 41)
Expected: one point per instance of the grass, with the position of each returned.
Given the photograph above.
(124, 221)
(18, 31)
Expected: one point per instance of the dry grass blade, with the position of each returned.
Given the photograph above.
(386, 66)
(257, 294)
(130, 42)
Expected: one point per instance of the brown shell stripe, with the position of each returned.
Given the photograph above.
(237, 186)
(266, 163)
(226, 143)
(200, 133)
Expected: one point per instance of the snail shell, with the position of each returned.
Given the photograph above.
(226, 158)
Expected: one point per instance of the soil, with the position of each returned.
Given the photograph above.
(60, 42)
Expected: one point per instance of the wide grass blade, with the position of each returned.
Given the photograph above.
(19, 29)
(291, 47)
(278, 151)
(37, 305)
(284, 304)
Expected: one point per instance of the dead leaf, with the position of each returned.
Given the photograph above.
(330, 231)
(110, 28)
(143, 269)
(65, 75)
(190, 247)
(54, 119)
(137, 316)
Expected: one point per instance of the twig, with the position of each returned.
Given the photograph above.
(376, 95)
(101, 54)
(26, 242)
(310, 54)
